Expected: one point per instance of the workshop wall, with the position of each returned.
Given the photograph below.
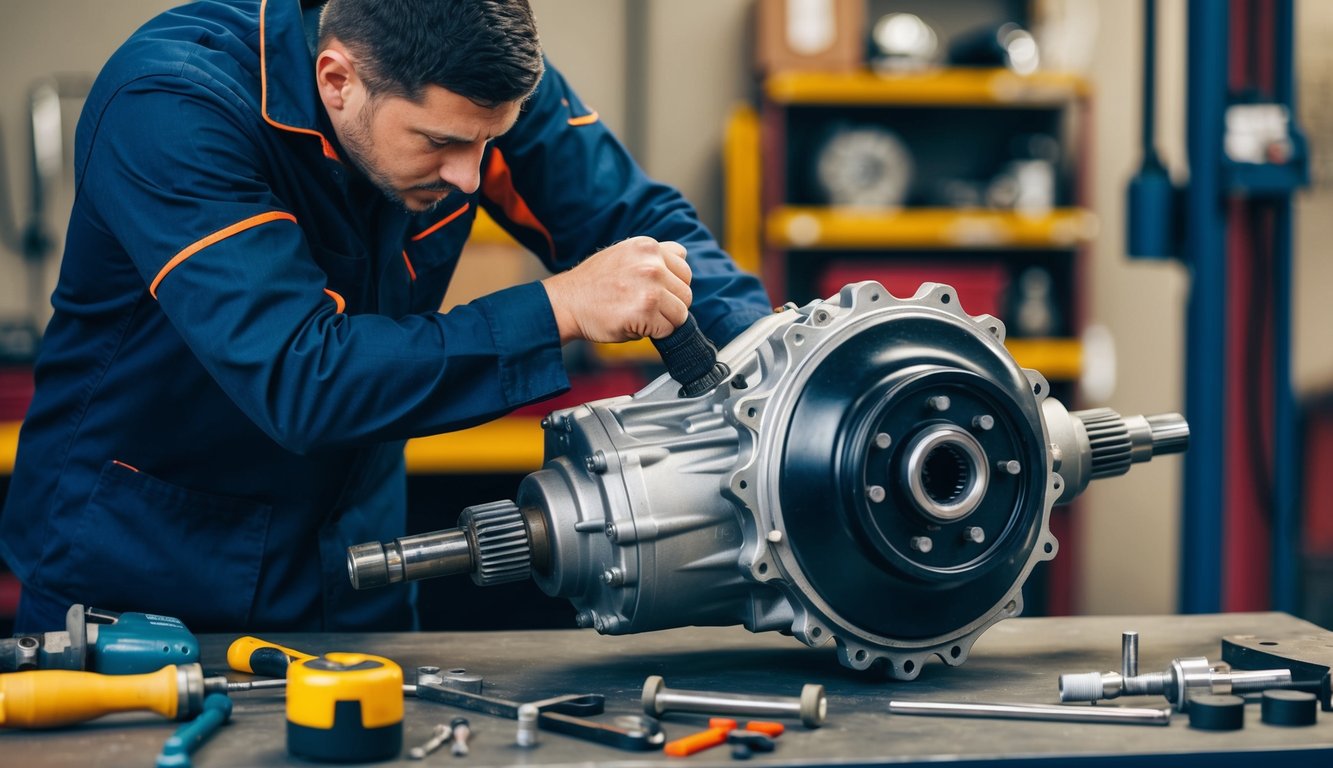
(694, 59)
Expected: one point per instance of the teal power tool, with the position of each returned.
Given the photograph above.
(103, 641)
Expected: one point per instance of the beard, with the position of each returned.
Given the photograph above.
(357, 141)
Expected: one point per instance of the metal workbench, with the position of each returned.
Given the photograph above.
(1018, 660)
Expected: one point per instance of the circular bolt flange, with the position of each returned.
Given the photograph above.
(984, 422)
(922, 544)
(1010, 467)
(939, 403)
(882, 440)
(974, 534)
(875, 493)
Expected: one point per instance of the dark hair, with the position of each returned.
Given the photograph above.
(484, 50)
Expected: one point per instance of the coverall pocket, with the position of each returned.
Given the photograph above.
(146, 545)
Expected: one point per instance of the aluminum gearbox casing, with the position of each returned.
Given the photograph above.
(875, 471)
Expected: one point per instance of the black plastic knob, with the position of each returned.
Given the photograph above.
(691, 359)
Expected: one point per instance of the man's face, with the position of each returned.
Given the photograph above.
(416, 153)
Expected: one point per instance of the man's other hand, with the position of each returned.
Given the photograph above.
(635, 288)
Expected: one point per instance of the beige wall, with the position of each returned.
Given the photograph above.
(696, 63)
(38, 40)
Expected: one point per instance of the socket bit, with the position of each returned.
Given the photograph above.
(1185, 677)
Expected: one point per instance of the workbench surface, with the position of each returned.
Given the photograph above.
(1018, 660)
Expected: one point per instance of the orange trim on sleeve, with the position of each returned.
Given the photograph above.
(432, 228)
(339, 303)
(120, 463)
(412, 273)
(218, 236)
(498, 186)
(587, 119)
(325, 145)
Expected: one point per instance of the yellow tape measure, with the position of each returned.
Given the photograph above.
(345, 707)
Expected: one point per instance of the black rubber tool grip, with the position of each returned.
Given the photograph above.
(691, 359)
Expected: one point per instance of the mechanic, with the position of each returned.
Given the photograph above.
(269, 206)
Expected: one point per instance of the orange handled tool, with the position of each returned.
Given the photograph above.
(49, 698)
(718, 728)
(260, 657)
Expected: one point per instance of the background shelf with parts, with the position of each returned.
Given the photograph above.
(852, 168)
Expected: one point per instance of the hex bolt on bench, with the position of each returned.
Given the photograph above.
(811, 707)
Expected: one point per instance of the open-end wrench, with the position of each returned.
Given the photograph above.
(559, 714)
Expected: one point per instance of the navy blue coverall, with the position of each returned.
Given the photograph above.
(245, 331)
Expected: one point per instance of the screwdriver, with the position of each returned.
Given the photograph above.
(260, 657)
(49, 698)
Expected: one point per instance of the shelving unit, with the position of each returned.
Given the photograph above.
(953, 123)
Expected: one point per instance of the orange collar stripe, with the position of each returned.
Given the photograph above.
(432, 228)
(587, 119)
(216, 237)
(324, 143)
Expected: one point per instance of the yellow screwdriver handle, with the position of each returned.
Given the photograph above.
(260, 657)
(49, 698)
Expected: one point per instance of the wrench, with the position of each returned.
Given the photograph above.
(560, 714)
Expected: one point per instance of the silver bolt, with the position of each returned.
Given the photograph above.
(611, 531)
(461, 733)
(546, 422)
(984, 422)
(1010, 467)
(596, 463)
(613, 577)
(1129, 654)
(774, 536)
(811, 706)
(527, 725)
(439, 735)
(939, 403)
(882, 440)
(974, 534)
(922, 544)
(875, 493)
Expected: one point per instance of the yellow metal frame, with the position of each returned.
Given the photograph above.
(1056, 359)
(944, 87)
(513, 444)
(815, 227)
(9, 443)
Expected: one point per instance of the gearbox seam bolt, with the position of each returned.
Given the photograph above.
(875, 493)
